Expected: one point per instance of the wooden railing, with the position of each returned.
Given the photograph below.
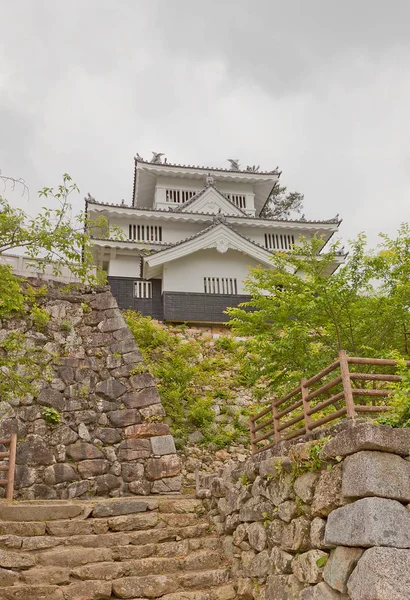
(334, 398)
(9, 468)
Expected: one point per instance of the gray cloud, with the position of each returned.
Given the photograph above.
(319, 88)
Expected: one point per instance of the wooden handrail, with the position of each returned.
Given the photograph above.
(297, 416)
(11, 466)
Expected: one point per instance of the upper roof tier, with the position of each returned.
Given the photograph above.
(154, 179)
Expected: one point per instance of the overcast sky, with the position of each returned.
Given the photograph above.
(320, 88)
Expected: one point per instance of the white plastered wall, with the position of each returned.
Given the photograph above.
(124, 266)
(187, 274)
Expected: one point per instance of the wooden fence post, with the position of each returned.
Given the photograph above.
(252, 430)
(12, 466)
(347, 385)
(306, 406)
(275, 413)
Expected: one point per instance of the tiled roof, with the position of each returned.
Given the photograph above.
(203, 168)
(245, 216)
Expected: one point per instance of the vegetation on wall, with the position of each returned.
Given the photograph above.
(194, 375)
(53, 238)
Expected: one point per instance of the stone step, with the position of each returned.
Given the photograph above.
(43, 512)
(72, 527)
(155, 586)
(94, 590)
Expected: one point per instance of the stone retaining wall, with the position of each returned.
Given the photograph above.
(328, 526)
(110, 440)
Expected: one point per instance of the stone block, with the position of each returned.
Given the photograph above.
(146, 430)
(166, 466)
(141, 398)
(255, 509)
(269, 466)
(134, 449)
(34, 450)
(111, 389)
(124, 346)
(114, 508)
(281, 489)
(142, 380)
(369, 522)
(108, 435)
(150, 586)
(132, 471)
(295, 537)
(305, 566)
(317, 533)
(124, 418)
(51, 398)
(112, 324)
(366, 436)
(370, 473)
(340, 566)
(281, 561)
(287, 511)
(142, 487)
(257, 536)
(134, 522)
(104, 301)
(164, 444)
(104, 484)
(91, 468)
(381, 574)
(275, 532)
(8, 578)
(88, 590)
(63, 434)
(132, 358)
(59, 473)
(304, 486)
(244, 588)
(46, 575)
(283, 587)
(15, 560)
(328, 493)
(83, 451)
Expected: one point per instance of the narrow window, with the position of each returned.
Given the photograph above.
(142, 289)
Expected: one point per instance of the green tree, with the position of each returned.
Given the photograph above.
(54, 237)
(281, 203)
(300, 314)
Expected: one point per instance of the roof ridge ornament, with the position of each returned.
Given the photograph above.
(156, 158)
(234, 164)
(209, 180)
(219, 217)
(253, 168)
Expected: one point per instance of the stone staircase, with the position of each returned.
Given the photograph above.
(134, 548)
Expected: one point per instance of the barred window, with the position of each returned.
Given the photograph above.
(179, 196)
(142, 289)
(220, 285)
(238, 199)
(276, 241)
(145, 233)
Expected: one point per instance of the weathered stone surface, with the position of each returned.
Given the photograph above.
(110, 389)
(14, 560)
(304, 486)
(8, 578)
(123, 418)
(142, 380)
(34, 451)
(164, 444)
(25, 529)
(269, 466)
(281, 489)
(305, 566)
(133, 522)
(108, 435)
(255, 509)
(283, 587)
(145, 430)
(24, 476)
(112, 508)
(51, 398)
(141, 398)
(40, 512)
(134, 449)
(124, 346)
(317, 533)
(59, 473)
(112, 324)
(321, 592)
(381, 474)
(381, 574)
(281, 561)
(46, 575)
(328, 493)
(287, 511)
(295, 536)
(32, 592)
(367, 436)
(275, 532)
(151, 586)
(257, 536)
(104, 301)
(244, 588)
(339, 567)
(166, 486)
(88, 590)
(91, 468)
(106, 483)
(166, 466)
(83, 451)
(369, 522)
(132, 472)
